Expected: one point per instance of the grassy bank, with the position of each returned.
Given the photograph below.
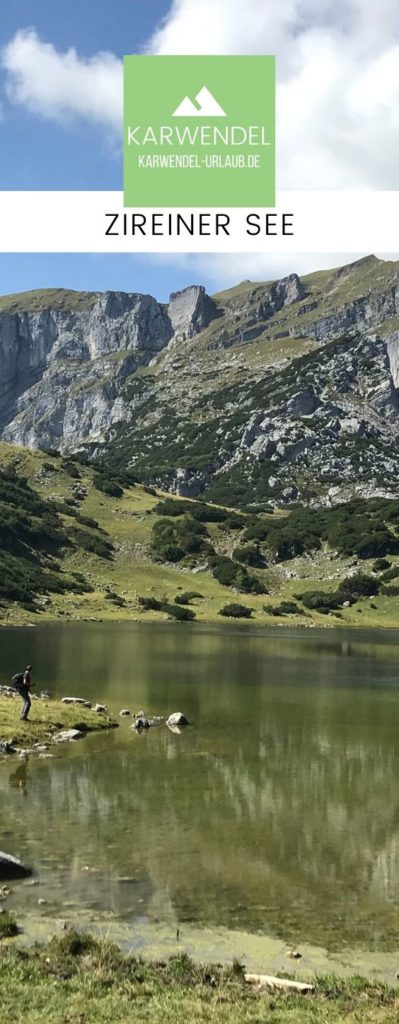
(77, 980)
(46, 719)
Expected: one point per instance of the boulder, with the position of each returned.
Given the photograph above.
(6, 747)
(141, 723)
(11, 867)
(67, 735)
(100, 709)
(76, 700)
(177, 719)
(125, 713)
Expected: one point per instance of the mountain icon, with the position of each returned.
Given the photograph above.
(208, 106)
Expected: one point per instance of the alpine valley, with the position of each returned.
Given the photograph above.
(272, 409)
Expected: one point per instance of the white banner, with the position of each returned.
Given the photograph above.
(315, 222)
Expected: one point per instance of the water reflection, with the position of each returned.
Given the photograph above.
(278, 811)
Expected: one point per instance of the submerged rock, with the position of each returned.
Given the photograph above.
(12, 867)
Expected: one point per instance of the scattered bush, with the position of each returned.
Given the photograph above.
(390, 591)
(390, 574)
(380, 564)
(152, 604)
(108, 486)
(284, 608)
(231, 574)
(250, 555)
(72, 470)
(92, 524)
(115, 598)
(187, 596)
(236, 611)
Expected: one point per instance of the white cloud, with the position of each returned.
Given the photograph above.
(338, 80)
(223, 270)
(61, 86)
(337, 94)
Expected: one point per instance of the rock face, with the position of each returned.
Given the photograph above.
(11, 867)
(62, 369)
(190, 311)
(265, 394)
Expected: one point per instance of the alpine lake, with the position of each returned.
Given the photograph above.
(269, 825)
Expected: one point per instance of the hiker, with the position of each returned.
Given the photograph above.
(22, 683)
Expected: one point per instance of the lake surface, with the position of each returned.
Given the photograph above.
(276, 812)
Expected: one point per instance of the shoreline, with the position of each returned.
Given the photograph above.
(78, 976)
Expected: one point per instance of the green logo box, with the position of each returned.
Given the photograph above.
(199, 131)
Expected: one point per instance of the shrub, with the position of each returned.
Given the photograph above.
(92, 524)
(390, 591)
(320, 601)
(92, 544)
(179, 613)
(72, 470)
(249, 555)
(284, 608)
(360, 585)
(390, 574)
(115, 598)
(187, 596)
(150, 604)
(107, 486)
(236, 611)
(380, 564)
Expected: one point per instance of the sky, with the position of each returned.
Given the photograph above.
(61, 110)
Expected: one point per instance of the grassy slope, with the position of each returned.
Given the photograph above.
(46, 298)
(45, 717)
(77, 980)
(131, 573)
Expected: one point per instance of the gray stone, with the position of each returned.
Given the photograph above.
(12, 867)
(177, 719)
(68, 735)
(76, 700)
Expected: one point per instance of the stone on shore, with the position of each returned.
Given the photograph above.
(68, 735)
(76, 700)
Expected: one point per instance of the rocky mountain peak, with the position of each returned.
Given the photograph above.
(191, 310)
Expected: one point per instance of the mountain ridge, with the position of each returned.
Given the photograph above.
(271, 392)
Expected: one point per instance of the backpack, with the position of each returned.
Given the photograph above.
(17, 680)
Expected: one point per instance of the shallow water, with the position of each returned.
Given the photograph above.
(276, 812)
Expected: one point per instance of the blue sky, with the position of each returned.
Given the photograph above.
(60, 112)
(42, 154)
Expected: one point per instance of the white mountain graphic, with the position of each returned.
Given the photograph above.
(208, 106)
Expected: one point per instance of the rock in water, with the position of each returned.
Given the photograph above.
(124, 713)
(11, 867)
(141, 723)
(177, 719)
(66, 735)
